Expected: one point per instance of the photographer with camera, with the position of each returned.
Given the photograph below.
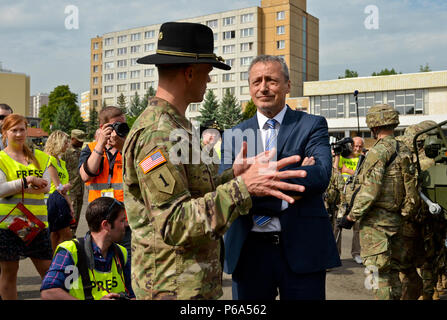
(100, 162)
(94, 267)
(347, 154)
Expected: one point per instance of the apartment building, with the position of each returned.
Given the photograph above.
(278, 27)
(36, 102)
(416, 96)
(15, 91)
(85, 105)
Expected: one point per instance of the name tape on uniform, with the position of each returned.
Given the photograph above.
(152, 160)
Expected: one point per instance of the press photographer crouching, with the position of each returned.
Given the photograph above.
(96, 259)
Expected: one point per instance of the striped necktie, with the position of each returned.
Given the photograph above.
(270, 143)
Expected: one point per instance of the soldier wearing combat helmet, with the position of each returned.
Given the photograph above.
(177, 208)
(385, 193)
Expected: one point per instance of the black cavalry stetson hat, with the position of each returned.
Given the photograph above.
(185, 43)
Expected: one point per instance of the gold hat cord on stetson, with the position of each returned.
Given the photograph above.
(190, 54)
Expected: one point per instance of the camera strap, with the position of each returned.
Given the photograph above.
(111, 158)
(83, 268)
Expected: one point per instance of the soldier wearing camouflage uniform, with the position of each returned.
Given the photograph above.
(386, 193)
(71, 158)
(179, 209)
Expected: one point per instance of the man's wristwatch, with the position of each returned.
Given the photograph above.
(96, 151)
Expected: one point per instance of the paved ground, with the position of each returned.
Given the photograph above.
(343, 283)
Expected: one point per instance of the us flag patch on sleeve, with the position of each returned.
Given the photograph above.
(152, 160)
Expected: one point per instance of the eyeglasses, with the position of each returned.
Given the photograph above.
(109, 211)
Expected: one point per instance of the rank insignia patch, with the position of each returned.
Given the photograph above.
(152, 160)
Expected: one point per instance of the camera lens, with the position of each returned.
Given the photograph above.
(121, 129)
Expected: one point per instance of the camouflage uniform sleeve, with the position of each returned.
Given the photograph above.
(165, 199)
(373, 171)
(412, 199)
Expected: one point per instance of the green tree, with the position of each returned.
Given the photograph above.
(62, 119)
(134, 110)
(230, 113)
(209, 110)
(150, 93)
(93, 123)
(349, 74)
(425, 68)
(76, 121)
(250, 110)
(385, 72)
(60, 96)
(121, 102)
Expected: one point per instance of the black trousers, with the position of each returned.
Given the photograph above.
(263, 272)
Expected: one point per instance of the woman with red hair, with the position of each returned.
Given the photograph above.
(24, 178)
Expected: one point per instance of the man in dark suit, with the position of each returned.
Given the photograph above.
(281, 246)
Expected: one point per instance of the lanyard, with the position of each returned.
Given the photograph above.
(111, 158)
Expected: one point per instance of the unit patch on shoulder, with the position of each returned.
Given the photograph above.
(152, 160)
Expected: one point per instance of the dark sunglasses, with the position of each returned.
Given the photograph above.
(109, 211)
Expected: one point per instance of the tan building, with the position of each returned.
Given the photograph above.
(15, 91)
(278, 27)
(416, 96)
(85, 105)
(96, 72)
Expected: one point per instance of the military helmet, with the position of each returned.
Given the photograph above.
(416, 128)
(381, 115)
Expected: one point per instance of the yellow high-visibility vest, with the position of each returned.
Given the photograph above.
(35, 203)
(112, 280)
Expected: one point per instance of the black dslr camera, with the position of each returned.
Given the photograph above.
(123, 296)
(121, 128)
(343, 147)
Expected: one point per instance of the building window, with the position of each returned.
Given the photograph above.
(122, 39)
(95, 57)
(248, 17)
(108, 89)
(149, 47)
(244, 75)
(95, 45)
(135, 36)
(280, 30)
(121, 63)
(212, 23)
(231, 90)
(213, 78)
(247, 32)
(228, 49)
(149, 34)
(133, 61)
(95, 69)
(121, 75)
(245, 61)
(281, 44)
(280, 15)
(226, 77)
(135, 74)
(148, 72)
(108, 77)
(108, 41)
(121, 88)
(108, 53)
(109, 65)
(245, 90)
(229, 35)
(215, 36)
(149, 84)
(121, 51)
(228, 21)
(95, 91)
(230, 62)
(135, 86)
(134, 49)
(95, 80)
(332, 106)
(246, 46)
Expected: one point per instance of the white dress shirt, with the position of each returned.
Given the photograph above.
(274, 225)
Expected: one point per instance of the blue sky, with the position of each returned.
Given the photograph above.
(34, 39)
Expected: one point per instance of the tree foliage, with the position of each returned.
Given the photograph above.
(250, 110)
(385, 72)
(60, 97)
(209, 110)
(349, 74)
(425, 68)
(93, 123)
(230, 113)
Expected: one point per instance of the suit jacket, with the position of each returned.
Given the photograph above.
(308, 240)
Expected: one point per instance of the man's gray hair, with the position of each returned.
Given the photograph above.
(269, 58)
